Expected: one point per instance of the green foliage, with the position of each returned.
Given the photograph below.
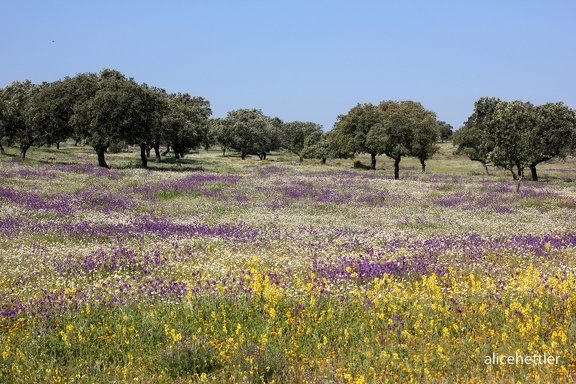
(222, 133)
(470, 142)
(296, 136)
(322, 147)
(396, 129)
(118, 146)
(553, 134)
(19, 126)
(406, 129)
(514, 135)
(248, 131)
(106, 111)
(186, 125)
(50, 108)
(351, 130)
(508, 127)
(474, 139)
(79, 89)
(425, 132)
(446, 130)
(107, 117)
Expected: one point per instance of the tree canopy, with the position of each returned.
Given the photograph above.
(111, 115)
(185, 122)
(395, 129)
(515, 135)
(19, 125)
(297, 136)
(446, 130)
(351, 130)
(102, 110)
(248, 131)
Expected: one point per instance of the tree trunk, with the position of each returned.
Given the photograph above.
(223, 152)
(58, 145)
(373, 161)
(148, 149)
(485, 168)
(397, 168)
(144, 154)
(23, 150)
(243, 156)
(177, 158)
(324, 161)
(514, 176)
(166, 151)
(100, 150)
(533, 172)
(157, 152)
(519, 182)
(2, 152)
(300, 158)
(423, 164)
(520, 170)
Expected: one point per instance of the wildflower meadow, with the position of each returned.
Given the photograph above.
(275, 271)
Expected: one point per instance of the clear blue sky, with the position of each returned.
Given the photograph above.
(308, 60)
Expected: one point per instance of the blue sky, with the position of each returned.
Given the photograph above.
(304, 60)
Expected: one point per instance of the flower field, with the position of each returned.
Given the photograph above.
(270, 271)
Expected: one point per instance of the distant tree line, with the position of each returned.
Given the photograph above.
(108, 110)
(516, 135)
(101, 110)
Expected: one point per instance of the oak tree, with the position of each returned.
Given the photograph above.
(297, 135)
